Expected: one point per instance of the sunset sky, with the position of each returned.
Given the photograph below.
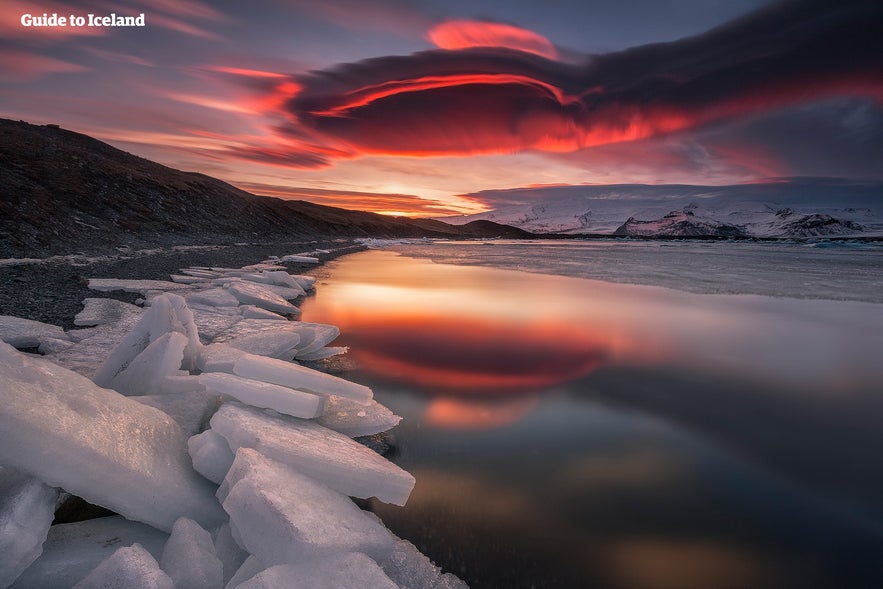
(410, 106)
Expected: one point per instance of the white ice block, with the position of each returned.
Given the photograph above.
(252, 312)
(213, 321)
(220, 358)
(408, 567)
(352, 570)
(299, 377)
(50, 345)
(162, 358)
(71, 551)
(25, 333)
(281, 516)
(131, 567)
(27, 507)
(184, 279)
(265, 395)
(328, 456)
(249, 293)
(211, 455)
(139, 286)
(279, 344)
(189, 557)
(100, 311)
(321, 353)
(305, 282)
(299, 258)
(353, 419)
(213, 297)
(228, 551)
(248, 569)
(190, 409)
(314, 336)
(168, 313)
(98, 444)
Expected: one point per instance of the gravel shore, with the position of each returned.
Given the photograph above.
(52, 290)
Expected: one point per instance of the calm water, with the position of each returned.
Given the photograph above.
(567, 432)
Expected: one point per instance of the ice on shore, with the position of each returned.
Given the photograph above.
(278, 343)
(253, 312)
(162, 358)
(211, 455)
(250, 293)
(131, 567)
(326, 455)
(299, 377)
(299, 258)
(282, 516)
(27, 507)
(101, 311)
(106, 448)
(352, 570)
(139, 286)
(72, 551)
(354, 419)
(408, 567)
(190, 409)
(189, 558)
(213, 297)
(228, 551)
(265, 395)
(25, 333)
(220, 358)
(248, 569)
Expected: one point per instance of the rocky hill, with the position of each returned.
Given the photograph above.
(62, 192)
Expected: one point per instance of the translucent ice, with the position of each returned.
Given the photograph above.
(190, 409)
(220, 358)
(26, 511)
(262, 394)
(305, 282)
(160, 359)
(101, 311)
(228, 551)
(98, 444)
(140, 286)
(321, 353)
(299, 377)
(314, 336)
(328, 456)
(252, 312)
(131, 567)
(214, 297)
(249, 293)
(189, 557)
(353, 419)
(24, 333)
(352, 570)
(409, 568)
(278, 343)
(211, 455)
(248, 569)
(281, 516)
(298, 258)
(71, 551)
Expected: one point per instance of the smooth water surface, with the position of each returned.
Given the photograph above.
(567, 432)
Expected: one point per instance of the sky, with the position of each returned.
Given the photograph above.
(415, 107)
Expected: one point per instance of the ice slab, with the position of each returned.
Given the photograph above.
(315, 336)
(279, 343)
(249, 293)
(50, 345)
(168, 313)
(184, 279)
(282, 516)
(98, 444)
(408, 567)
(220, 358)
(252, 312)
(25, 333)
(27, 507)
(213, 321)
(190, 409)
(265, 395)
(139, 286)
(328, 456)
(211, 455)
(189, 557)
(305, 282)
(228, 551)
(131, 567)
(160, 359)
(353, 419)
(92, 346)
(100, 311)
(213, 297)
(248, 569)
(321, 353)
(299, 377)
(299, 258)
(71, 551)
(352, 570)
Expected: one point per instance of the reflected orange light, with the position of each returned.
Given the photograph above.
(460, 413)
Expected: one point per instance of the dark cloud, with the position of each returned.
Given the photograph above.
(487, 100)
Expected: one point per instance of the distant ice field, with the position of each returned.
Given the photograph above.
(850, 271)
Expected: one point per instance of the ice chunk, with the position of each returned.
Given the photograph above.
(353, 419)
(328, 456)
(249, 293)
(299, 377)
(228, 551)
(279, 278)
(274, 344)
(200, 273)
(189, 557)
(25, 333)
(352, 570)
(213, 321)
(246, 571)
(321, 354)
(282, 516)
(213, 297)
(220, 358)
(71, 551)
(299, 258)
(92, 345)
(100, 311)
(184, 279)
(50, 345)
(211, 455)
(131, 567)
(315, 336)
(168, 313)
(305, 282)
(139, 286)
(98, 444)
(27, 507)
(159, 360)
(261, 394)
(190, 409)
(252, 312)
(408, 567)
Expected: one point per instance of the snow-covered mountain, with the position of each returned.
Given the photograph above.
(801, 207)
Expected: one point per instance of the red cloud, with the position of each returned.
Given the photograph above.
(461, 34)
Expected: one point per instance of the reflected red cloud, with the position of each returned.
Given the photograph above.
(474, 413)
(461, 34)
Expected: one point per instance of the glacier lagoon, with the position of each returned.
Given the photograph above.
(658, 414)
